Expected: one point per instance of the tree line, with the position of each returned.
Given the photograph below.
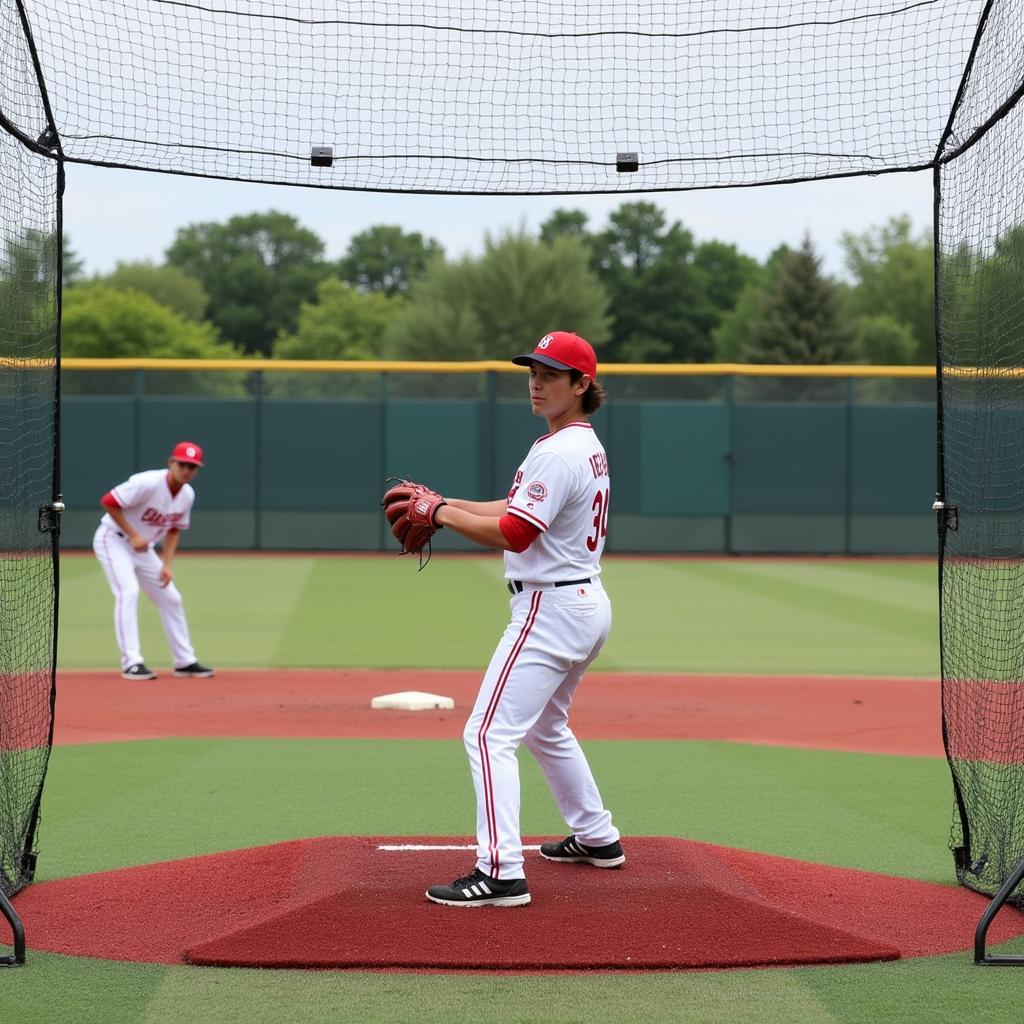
(640, 289)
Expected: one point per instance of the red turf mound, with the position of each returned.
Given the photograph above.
(343, 902)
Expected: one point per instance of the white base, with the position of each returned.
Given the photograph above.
(413, 700)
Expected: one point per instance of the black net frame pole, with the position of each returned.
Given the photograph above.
(50, 142)
(998, 901)
(49, 513)
(946, 514)
(17, 959)
(49, 521)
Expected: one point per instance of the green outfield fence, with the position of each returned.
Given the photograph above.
(704, 458)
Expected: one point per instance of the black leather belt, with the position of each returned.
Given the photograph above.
(516, 586)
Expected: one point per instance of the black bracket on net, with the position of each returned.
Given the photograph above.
(998, 901)
(948, 515)
(48, 140)
(49, 515)
(18, 930)
(321, 156)
(627, 163)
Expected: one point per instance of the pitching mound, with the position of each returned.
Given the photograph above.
(357, 902)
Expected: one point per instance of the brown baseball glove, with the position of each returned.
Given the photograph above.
(410, 508)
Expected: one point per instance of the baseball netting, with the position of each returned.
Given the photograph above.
(536, 96)
(981, 289)
(559, 98)
(29, 268)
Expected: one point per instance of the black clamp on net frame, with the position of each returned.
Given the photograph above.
(948, 515)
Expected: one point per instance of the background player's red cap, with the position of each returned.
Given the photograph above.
(562, 350)
(188, 451)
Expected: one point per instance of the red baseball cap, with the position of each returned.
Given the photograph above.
(562, 350)
(188, 451)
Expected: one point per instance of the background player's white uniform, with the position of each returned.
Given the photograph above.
(151, 510)
(556, 632)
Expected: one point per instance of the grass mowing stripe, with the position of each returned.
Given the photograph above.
(249, 629)
(921, 991)
(775, 624)
(188, 797)
(670, 615)
(877, 813)
(382, 613)
(843, 577)
(231, 618)
(544, 1000)
(814, 597)
(86, 616)
(54, 988)
(77, 567)
(725, 621)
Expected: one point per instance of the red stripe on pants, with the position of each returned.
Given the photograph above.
(492, 707)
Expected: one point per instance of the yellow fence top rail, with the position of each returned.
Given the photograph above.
(493, 366)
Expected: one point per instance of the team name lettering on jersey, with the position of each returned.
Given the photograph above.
(148, 506)
(515, 485)
(156, 518)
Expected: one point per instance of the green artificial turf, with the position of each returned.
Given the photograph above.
(189, 796)
(924, 991)
(841, 616)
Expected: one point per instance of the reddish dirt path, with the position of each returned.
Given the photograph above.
(872, 715)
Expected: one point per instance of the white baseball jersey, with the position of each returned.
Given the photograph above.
(149, 507)
(562, 488)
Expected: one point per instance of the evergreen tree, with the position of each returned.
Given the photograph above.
(800, 320)
(732, 334)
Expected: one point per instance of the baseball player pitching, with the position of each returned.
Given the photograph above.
(148, 508)
(552, 527)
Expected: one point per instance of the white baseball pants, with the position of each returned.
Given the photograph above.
(554, 635)
(127, 570)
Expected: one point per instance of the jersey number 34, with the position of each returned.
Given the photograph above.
(600, 506)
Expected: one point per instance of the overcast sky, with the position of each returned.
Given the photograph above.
(113, 215)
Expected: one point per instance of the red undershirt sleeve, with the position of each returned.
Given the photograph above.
(109, 501)
(518, 532)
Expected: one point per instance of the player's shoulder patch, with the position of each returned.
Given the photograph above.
(536, 491)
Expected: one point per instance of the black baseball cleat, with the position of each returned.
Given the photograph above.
(572, 851)
(193, 671)
(138, 671)
(480, 890)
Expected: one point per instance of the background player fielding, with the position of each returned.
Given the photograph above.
(148, 508)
